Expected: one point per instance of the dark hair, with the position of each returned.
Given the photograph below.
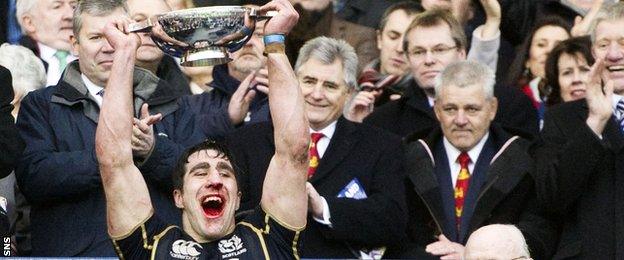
(408, 7)
(572, 46)
(516, 75)
(180, 169)
(435, 17)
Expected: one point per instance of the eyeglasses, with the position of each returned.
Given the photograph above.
(438, 51)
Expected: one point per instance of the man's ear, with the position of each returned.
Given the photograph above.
(494, 104)
(238, 199)
(73, 40)
(378, 33)
(178, 198)
(27, 24)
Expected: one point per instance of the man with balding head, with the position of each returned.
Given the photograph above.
(496, 242)
(48, 26)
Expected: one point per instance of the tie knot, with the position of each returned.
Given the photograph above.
(463, 159)
(316, 136)
(101, 93)
(61, 55)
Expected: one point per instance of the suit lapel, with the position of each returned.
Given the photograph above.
(345, 136)
(503, 175)
(613, 134)
(418, 100)
(419, 167)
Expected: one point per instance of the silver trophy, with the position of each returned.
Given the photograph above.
(209, 32)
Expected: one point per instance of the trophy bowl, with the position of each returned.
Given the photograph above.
(209, 32)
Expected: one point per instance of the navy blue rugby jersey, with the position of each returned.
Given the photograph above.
(257, 236)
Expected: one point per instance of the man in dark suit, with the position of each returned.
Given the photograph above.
(433, 40)
(356, 200)
(580, 165)
(467, 173)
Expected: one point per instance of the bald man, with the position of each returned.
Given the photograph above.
(496, 241)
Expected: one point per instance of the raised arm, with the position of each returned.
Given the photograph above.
(127, 198)
(486, 38)
(283, 193)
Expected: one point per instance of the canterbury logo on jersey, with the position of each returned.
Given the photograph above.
(187, 250)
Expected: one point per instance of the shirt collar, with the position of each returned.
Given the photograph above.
(92, 87)
(452, 152)
(328, 131)
(46, 52)
(615, 99)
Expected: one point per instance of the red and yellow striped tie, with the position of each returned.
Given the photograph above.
(461, 186)
(313, 154)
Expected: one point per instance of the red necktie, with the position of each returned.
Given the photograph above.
(461, 186)
(313, 154)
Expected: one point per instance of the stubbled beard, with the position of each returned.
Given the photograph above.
(246, 67)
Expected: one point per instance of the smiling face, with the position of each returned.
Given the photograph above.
(573, 72)
(544, 40)
(209, 197)
(50, 22)
(94, 52)
(465, 114)
(390, 43)
(324, 90)
(609, 46)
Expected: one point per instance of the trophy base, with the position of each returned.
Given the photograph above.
(208, 56)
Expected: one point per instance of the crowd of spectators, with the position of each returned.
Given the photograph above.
(461, 129)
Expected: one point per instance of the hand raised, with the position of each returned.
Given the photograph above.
(598, 98)
(284, 21)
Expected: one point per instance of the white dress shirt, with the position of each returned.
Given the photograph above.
(452, 153)
(53, 74)
(321, 147)
(323, 143)
(93, 89)
(614, 101)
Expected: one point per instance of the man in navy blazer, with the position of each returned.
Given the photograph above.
(467, 173)
(356, 203)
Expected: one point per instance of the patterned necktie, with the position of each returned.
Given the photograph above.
(313, 153)
(619, 113)
(461, 186)
(61, 56)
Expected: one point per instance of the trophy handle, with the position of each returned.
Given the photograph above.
(253, 13)
(143, 26)
(247, 32)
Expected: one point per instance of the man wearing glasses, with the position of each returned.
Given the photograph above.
(433, 40)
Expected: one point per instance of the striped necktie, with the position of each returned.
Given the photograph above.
(461, 186)
(313, 153)
(619, 113)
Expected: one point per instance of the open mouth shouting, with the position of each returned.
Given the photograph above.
(213, 205)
